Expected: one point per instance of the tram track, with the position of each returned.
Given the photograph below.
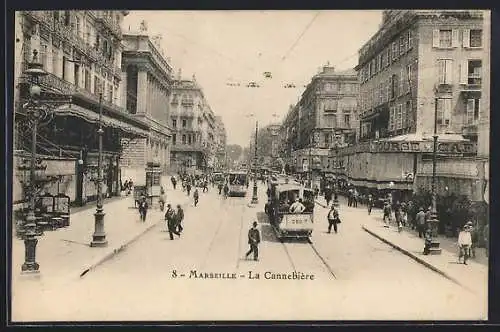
(302, 254)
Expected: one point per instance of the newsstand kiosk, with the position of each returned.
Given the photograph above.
(153, 181)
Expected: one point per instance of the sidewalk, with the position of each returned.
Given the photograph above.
(65, 254)
(473, 276)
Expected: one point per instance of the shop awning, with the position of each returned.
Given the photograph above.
(422, 138)
(91, 117)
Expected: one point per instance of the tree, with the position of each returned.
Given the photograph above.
(234, 152)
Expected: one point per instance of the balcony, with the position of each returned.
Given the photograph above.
(187, 147)
(107, 22)
(470, 129)
(473, 84)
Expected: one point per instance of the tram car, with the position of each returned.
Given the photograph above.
(281, 194)
(237, 183)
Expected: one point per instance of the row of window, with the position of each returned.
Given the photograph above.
(332, 105)
(390, 54)
(332, 121)
(450, 38)
(174, 123)
(394, 86)
(186, 139)
(470, 71)
(81, 74)
(340, 87)
(401, 116)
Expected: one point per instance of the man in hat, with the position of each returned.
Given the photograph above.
(420, 221)
(253, 241)
(297, 206)
(333, 219)
(171, 221)
(465, 242)
(180, 218)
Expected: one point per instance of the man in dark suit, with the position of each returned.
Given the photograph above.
(253, 241)
(171, 218)
(180, 218)
(143, 208)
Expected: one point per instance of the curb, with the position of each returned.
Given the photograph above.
(416, 258)
(117, 250)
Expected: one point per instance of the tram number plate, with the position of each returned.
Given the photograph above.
(296, 221)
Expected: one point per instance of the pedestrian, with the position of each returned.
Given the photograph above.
(420, 221)
(143, 208)
(253, 241)
(188, 188)
(333, 219)
(196, 196)
(486, 238)
(170, 219)
(355, 197)
(475, 238)
(174, 181)
(297, 206)
(387, 214)
(427, 241)
(180, 218)
(369, 203)
(220, 186)
(464, 243)
(328, 196)
(205, 185)
(226, 190)
(162, 199)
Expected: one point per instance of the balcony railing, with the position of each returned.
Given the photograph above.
(107, 22)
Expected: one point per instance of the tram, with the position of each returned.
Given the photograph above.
(238, 183)
(282, 192)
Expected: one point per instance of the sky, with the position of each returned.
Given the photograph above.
(221, 47)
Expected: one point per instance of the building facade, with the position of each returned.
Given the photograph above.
(221, 137)
(146, 88)
(421, 69)
(325, 117)
(81, 53)
(195, 130)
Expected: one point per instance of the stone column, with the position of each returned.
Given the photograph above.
(69, 67)
(142, 91)
(122, 100)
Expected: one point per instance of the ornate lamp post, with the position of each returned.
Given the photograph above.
(35, 114)
(434, 221)
(99, 236)
(255, 199)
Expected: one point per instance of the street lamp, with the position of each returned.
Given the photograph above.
(433, 221)
(99, 236)
(255, 199)
(35, 114)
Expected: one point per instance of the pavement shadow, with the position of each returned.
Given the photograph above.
(262, 218)
(268, 234)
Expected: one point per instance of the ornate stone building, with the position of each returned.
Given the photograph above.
(146, 87)
(421, 69)
(195, 130)
(81, 52)
(325, 116)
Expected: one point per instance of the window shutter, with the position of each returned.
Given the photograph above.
(435, 38)
(463, 72)
(401, 81)
(454, 38)
(466, 38)
(470, 111)
(447, 111)
(410, 40)
(449, 71)
(441, 71)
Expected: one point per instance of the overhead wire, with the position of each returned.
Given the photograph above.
(301, 35)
